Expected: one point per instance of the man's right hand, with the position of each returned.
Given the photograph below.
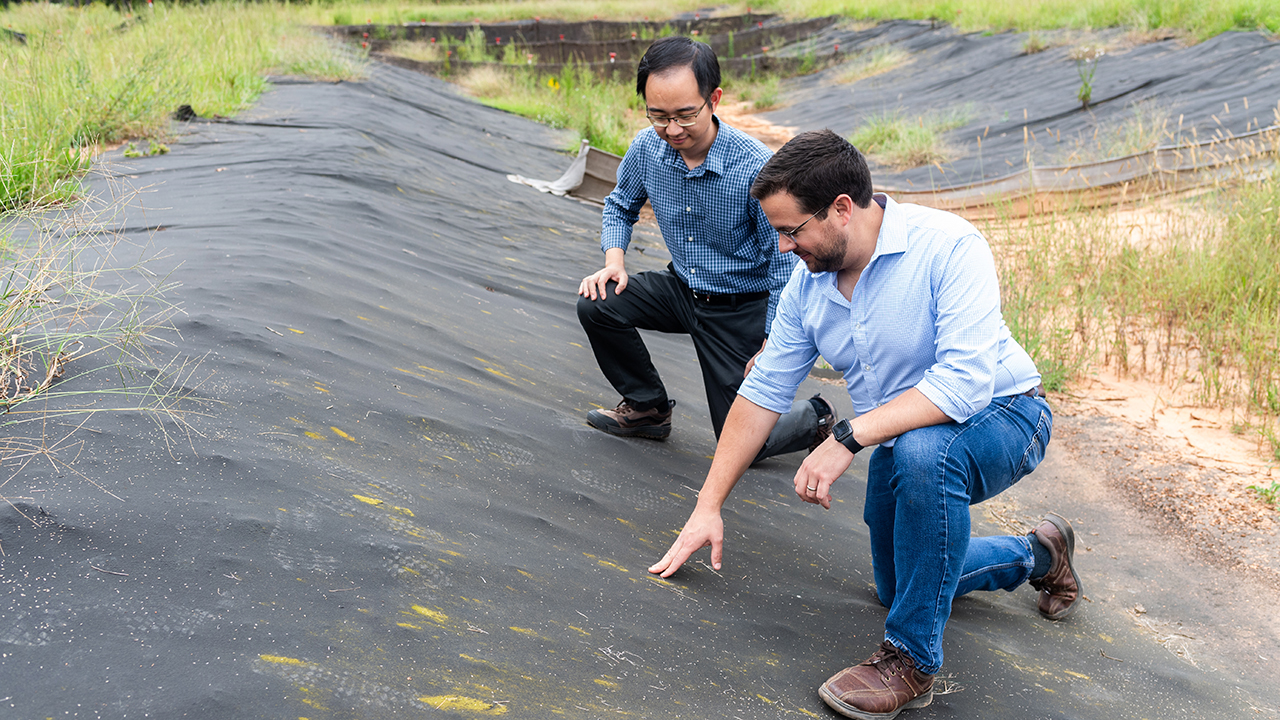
(703, 528)
(615, 270)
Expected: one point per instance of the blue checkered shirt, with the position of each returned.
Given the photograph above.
(719, 238)
(924, 314)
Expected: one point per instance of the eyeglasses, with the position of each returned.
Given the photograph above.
(796, 230)
(681, 120)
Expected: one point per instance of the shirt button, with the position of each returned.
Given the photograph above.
(867, 368)
(688, 209)
(690, 239)
(693, 270)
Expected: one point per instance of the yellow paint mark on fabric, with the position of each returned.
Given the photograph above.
(575, 344)
(320, 389)
(584, 632)
(435, 615)
(499, 373)
(677, 496)
(364, 318)
(771, 702)
(526, 573)
(431, 369)
(410, 372)
(808, 712)
(615, 566)
(366, 499)
(341, 434)
(606, 683)
(403, 510)
(313, 703)
(1082, 676)
(281, 660)
(626, 522)
(1108, 638)
(411, 626)
(300, 332)
(526, 631)
(313, 435)
(462, 702)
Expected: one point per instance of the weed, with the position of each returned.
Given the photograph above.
(80, 329)
(1086, 58)
(1034, 43)
(1269, 495)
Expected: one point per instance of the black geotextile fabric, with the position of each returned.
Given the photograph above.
(395, 509)
(999, 89)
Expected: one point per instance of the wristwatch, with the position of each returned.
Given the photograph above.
(843, 433)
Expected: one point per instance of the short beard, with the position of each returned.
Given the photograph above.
(829, 257)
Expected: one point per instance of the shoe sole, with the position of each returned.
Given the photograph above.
(850, 711)
(1069, 534)
(644, 431)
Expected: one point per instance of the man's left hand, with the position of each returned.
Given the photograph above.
(820, 471)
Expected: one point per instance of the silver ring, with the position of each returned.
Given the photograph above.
(810, 487)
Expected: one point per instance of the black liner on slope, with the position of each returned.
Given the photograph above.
(398, 510)
(991, 80)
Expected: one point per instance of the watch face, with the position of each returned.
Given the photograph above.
(842, 430)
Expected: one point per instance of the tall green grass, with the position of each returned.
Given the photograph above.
(1199, 18)
(92, 76)
(606, 112)
(1201, 305)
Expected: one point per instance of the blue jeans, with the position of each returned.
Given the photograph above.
(918, 497)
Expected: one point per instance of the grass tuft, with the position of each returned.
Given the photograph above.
(871, 63)
(902, 142)
(80, 328)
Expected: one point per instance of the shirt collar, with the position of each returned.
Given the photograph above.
(715, 160)
(893, 229)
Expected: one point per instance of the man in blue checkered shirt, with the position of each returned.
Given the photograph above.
(721, 286)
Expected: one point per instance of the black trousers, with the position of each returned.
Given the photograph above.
(725, 337)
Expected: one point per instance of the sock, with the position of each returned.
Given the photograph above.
(1043, 559)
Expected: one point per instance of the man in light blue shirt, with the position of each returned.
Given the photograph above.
(905, 302)
(726, 270)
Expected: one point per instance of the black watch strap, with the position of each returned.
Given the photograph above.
(843, 433)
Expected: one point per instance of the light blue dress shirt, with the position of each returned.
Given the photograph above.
(719, 238)
(924, 314)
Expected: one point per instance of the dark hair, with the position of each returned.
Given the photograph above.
(815, 167)
(677, 52)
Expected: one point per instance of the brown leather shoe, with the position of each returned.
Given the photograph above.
(880, 687)
(1060, 587)
(626, 421)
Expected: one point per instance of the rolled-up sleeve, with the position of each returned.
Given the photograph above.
(967, 325)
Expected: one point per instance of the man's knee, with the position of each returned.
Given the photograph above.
(591, 311)
(921, 451)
